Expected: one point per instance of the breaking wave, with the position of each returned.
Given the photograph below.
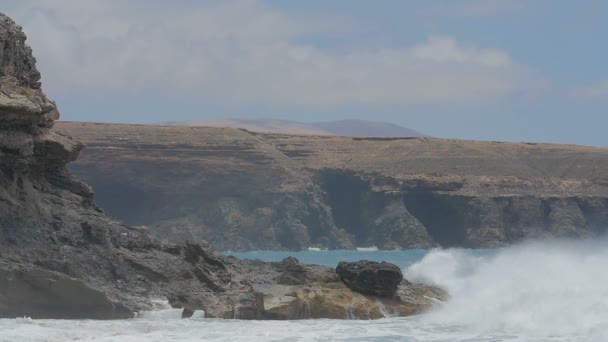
(550, 288)
(536, 291)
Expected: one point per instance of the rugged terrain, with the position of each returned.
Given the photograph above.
(241, 190)
(62, 257)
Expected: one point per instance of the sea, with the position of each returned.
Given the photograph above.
(536, 291)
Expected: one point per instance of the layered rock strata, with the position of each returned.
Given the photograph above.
(244, 191)
(62, 257)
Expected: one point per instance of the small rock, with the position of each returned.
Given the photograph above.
(187, 313)
(293, 273)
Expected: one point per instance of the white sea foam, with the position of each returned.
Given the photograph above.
(367, 249)
(317, 249)
(537, 291)
(550, 288)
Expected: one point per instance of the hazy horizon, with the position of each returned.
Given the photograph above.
(508, 70)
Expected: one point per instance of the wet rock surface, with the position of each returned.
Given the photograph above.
(62, 257)
(369, 277)
(320, 293)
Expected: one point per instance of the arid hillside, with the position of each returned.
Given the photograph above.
(241, 190)
(360, 128)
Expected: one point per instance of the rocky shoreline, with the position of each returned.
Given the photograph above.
(62, 257)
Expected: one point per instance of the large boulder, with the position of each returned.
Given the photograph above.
(39, 293)
(370, 277)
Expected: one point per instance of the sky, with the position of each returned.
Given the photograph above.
(508, 70)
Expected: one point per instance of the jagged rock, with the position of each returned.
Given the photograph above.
(370, 277)
(336, 301)
(25, 108)
(16, 58)
(294, 273)
(187, 313)
(62, 257)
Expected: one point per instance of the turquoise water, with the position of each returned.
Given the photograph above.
(402, 259)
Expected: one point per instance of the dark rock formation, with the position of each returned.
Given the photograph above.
(62, 257)
(241, 190)
(369, 277)
(16, 58)
(40, 293)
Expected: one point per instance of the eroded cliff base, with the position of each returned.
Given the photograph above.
(241, 190)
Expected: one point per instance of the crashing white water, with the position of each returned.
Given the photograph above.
(537, 291)
(550, 288)
(367, 249)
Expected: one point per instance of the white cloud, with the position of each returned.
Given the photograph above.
(594, 91)
(243, 53)
(472, 8)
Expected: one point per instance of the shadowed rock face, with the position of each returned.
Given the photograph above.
(62, 257)
(244, 191)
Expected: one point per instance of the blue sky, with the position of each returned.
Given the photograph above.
(510, 70)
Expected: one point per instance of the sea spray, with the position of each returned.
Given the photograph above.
(549, 288)
(538, 291)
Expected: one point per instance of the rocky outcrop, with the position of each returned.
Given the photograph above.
(16, 58)
(373, 278)
(40, 293)
(62, 257)
(244, 191)
(309, 291)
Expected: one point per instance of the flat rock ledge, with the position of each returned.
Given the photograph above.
(290, 291)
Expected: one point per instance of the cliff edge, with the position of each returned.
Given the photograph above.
(62, 257)
(242, 190)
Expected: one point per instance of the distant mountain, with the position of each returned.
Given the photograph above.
(360, 128)
(366, 129)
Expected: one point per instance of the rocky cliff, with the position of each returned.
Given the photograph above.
(62, 257)
(241, 190)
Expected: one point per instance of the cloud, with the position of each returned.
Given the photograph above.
(472, 8)
(245, 53)
(597, 91)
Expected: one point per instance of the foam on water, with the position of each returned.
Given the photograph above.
(537, 291)
(551, 288)
(367, 249)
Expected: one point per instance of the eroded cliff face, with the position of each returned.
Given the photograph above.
(62, 257)
(241, 190)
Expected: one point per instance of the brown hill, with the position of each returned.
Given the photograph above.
(358, 128)
(242, 190)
